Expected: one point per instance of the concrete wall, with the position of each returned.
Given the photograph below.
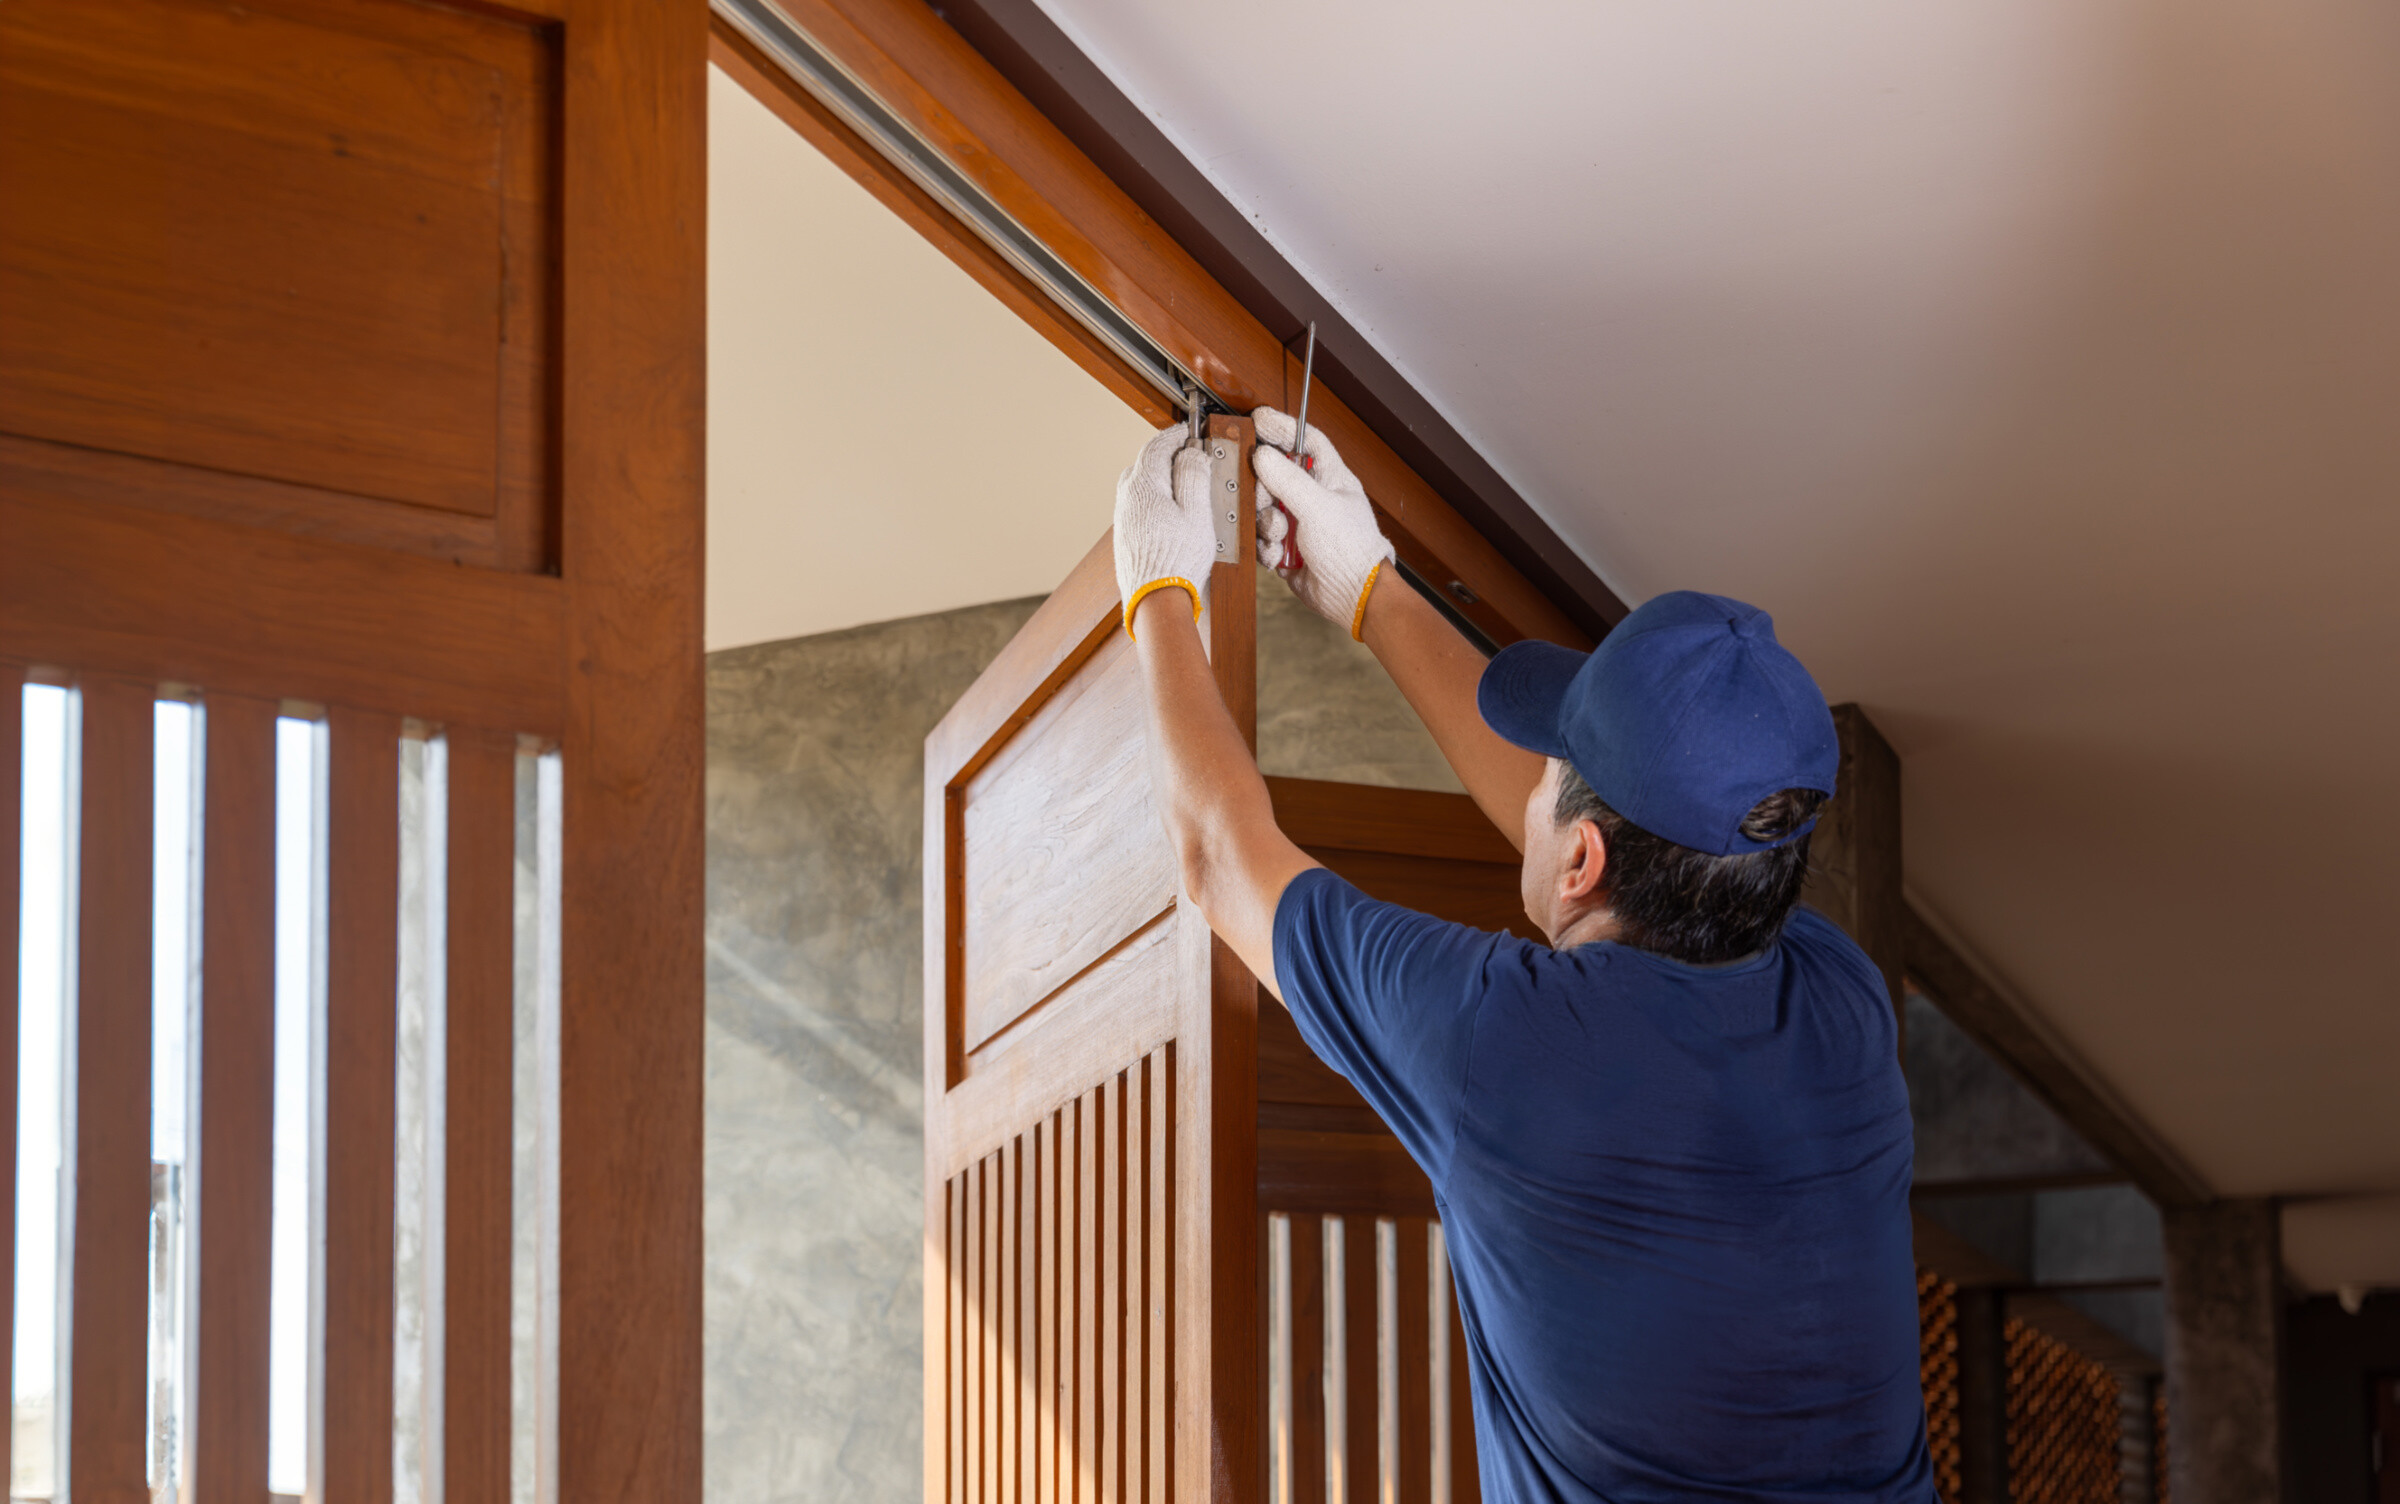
(815, 1117)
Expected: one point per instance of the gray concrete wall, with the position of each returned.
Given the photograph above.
(815, 1118)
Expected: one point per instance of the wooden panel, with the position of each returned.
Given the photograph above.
(1412, 1337)
(1064, 853)
(111, 1057)
(1305, 1170)
(237, 1102)
(1398, 822)
(1854, 875)
(1308, 1359)
(1362, 1374)
(245, 611)
(12, 835)
(1484, 895)
(633, 298)
(479, 1028)
(321, 254)
(929, 76)
(362, 964)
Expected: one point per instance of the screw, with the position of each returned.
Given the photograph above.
(1459, 589)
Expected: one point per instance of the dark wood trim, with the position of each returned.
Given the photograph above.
(633, 421)
(1400, 822)
(931, 78)
(1997, 1023)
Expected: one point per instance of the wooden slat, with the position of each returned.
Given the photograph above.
(361, 981)
(954, 1366)
(1308, 1359)
(632, 295)
(1045, 1364)
(12, 836)
(1159, 1069)
(1362, 1375)
(111, 1110)
(926, 73)
(1413, 1338)
(979, 1346)
(1466, 1482)
(1086, 1379)
(237, 1102)
(479, 1065)
(260, 612)
(1112, 1290)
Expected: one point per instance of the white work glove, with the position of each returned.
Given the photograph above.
(1324, 524)
(1163, 534)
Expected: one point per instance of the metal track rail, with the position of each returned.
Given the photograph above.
(841, 91)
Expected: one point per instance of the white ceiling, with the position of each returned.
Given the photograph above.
(885, 438)
(2035, 362)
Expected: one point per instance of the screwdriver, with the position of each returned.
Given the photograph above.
(1291, 535)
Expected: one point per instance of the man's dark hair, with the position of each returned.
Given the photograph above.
(1687, 905)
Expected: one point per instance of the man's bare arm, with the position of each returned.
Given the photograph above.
(1438, 670)
(1235, 861)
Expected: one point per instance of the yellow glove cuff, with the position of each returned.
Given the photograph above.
(1358, 618)
(1160, 584)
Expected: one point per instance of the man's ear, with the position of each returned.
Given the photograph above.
(1587, 859)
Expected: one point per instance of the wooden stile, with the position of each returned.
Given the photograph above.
(1361, 1366)
(1308, 1359)
(235, 1162)
(478, 1076)
(108, 1303)
(361, 1021)
(1415, 1367)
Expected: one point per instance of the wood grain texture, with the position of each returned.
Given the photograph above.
(362, 965)
(111, 1054)
(479, 1029)
(250, 611)
(928, 75)
(633, 263)
(1308, 1360)
(1393, 822)
(1065, 855)
(1481, 895)
(1854, 873)
(237, 1103)
(324, 258)
(1362, 1373)
(2008, 1031)
(1412, 1336)
(12, 835)
(1358, 1173)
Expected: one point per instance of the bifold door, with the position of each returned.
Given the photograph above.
(1091, 1321)
(350, 524)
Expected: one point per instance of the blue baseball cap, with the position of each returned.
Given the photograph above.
(1685, 716)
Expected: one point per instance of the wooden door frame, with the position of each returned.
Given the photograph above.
(950, 95)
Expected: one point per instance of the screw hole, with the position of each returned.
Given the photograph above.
(1459, 588)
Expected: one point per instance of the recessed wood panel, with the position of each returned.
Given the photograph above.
(1064, 855)
(295, 241)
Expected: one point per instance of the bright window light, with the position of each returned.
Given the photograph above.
(44, 973)
(300, 788)
(174, 996)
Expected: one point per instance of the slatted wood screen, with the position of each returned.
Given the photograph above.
(350, 369)
(1091, 1318)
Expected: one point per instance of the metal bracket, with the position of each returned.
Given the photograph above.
(1225, 497)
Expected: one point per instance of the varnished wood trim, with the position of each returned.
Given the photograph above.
(2008, 1033)
(12, 833)
(111, 1077)
(237, 1102)
(1399, 822)
(254, 611)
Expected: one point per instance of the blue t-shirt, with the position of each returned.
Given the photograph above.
(1675, 1197)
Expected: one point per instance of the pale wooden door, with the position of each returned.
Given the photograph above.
(1091, 1312)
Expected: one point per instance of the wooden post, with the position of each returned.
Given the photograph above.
(1854, 856)
(2224, 1353)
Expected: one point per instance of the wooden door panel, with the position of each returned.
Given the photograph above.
(294, 255)
(1064, 861)
(1090, 1077)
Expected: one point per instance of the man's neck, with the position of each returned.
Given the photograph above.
(1587, 928)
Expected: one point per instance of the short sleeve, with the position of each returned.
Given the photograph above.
(1387, 997)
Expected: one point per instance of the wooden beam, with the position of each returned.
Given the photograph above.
(2006, 1030)
(1854, 854)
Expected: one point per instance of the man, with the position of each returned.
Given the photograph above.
(1671, 1146)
